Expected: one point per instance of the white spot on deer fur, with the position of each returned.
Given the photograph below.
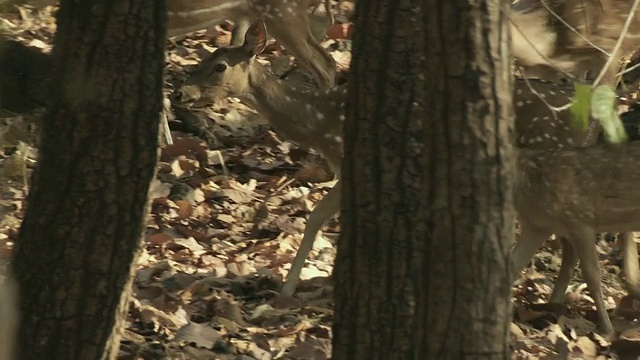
(519, 91)
(538, 139)
(529, 101)
(535, 118)
(308, 106)
(287, 98)
(547, 136)
(519, 104)
(551, 92)
(320, 116)
(342, 118)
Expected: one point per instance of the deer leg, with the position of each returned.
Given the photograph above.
(530, 241)
(583, 242)
(631, 265)
(327, 207)
(569, 262)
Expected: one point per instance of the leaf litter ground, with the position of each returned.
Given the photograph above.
(228, 209)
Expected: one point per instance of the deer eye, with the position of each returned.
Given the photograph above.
(220, 67)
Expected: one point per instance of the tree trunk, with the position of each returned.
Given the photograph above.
(422, 270)
(84, 220)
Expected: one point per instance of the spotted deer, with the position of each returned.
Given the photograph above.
(314, 118)
(539, 216)
(310, 118)
(288, 22)
(554, 38)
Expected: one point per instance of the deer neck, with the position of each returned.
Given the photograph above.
(187, 16)
(278, 101)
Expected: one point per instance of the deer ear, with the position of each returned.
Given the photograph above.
(255, 40)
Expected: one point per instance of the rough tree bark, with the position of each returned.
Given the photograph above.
(85, 213)
(422, 270)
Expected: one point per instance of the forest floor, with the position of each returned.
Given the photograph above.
(227, 217)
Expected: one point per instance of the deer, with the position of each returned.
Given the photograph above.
(314, 119)
(288, 21)
(546, 131)
(555, 38)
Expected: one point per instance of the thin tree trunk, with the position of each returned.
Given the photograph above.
(84, 219)
(422, 270)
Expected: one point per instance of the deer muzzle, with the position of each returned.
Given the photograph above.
(187, 96)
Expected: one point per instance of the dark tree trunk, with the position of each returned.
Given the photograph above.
(85, 213)
(422, 270)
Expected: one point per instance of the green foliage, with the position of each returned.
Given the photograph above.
(600, 103)
(603, 109)
(580, 107)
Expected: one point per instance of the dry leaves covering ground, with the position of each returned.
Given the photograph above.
(228, 211)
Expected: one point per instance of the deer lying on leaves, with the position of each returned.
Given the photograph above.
(315, 119)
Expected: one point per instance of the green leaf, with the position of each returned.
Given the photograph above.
(580, 107)
(603, 109)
